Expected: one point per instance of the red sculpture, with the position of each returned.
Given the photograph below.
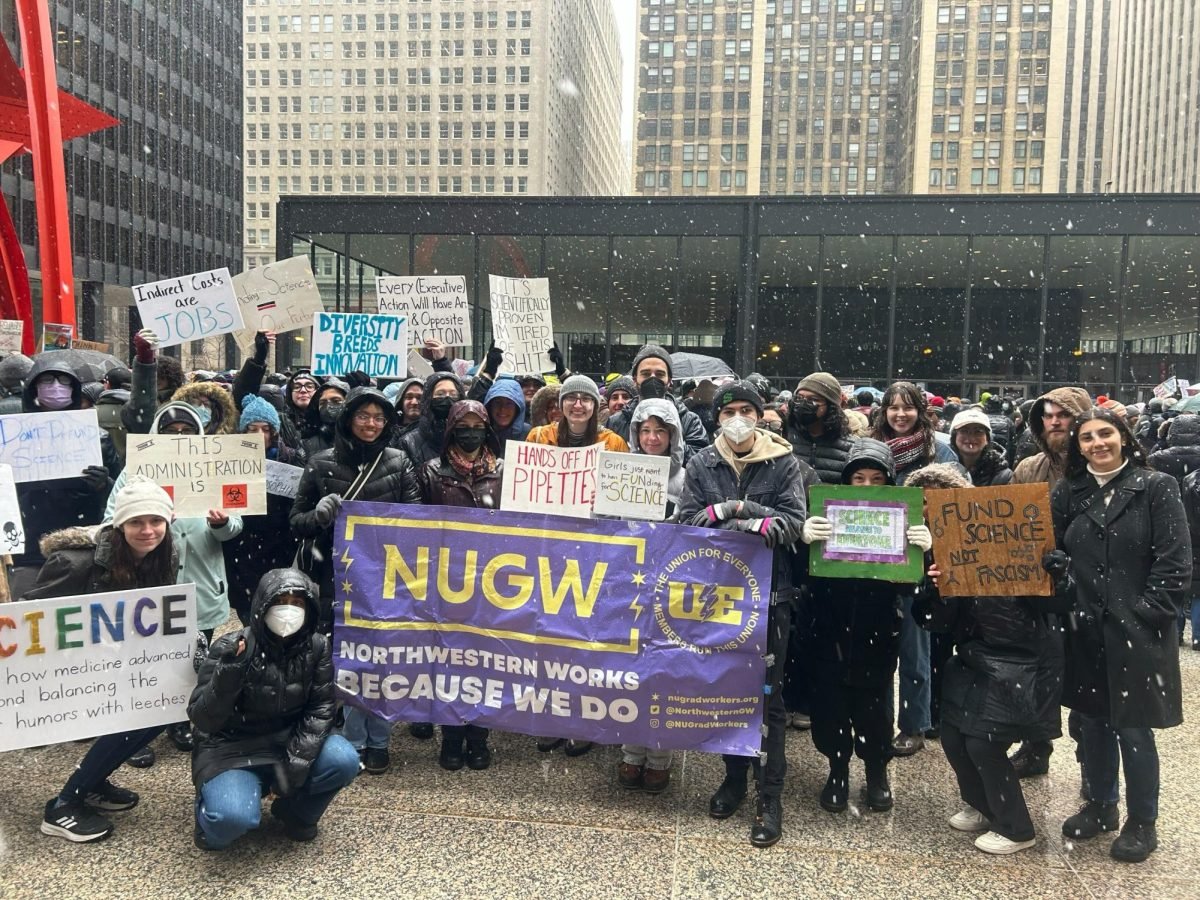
(36, 117)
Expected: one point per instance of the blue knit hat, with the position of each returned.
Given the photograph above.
(256, 409)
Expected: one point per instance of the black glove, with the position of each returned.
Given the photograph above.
(261, 346)
(200, 652)
(236, 651)
(327, 509)
(556, 357)
(357, 379)
(96, 479)
(1056, 563)
(289, 778)
(495, 356)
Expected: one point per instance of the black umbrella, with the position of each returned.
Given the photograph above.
(90, 365)
(697, 365)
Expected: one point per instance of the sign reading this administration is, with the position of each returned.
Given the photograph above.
(870, 527)
(203, 472)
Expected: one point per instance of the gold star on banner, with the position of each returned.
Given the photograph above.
(347, 587)
(639, 578)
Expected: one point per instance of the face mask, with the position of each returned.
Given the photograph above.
(652, 389)
(737, 429)
(283, 620)
(330, 413)
(470, 439)
(205, 415)
(440, 406)
(804, 411)
(52, 395)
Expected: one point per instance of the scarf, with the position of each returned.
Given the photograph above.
(907, 450)
(483, 464)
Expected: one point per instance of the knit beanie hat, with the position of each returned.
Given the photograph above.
(579, 384)
(622, 383)
(1116, 407)
(824, 385)
(256, 409)
(141, 497)
(737, 392)
(652, 351)
(972, 416)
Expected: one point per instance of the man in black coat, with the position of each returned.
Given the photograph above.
(652, 375)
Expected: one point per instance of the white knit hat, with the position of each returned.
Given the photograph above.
(972, 416)
(141, 497)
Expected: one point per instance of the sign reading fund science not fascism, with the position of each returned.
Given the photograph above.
(617, 632)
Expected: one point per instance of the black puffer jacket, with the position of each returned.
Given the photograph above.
(991, 469)
(826, 454)
(271, 705)
(333, 471)
(695, 436)
(79, 561)
(1181, 456)
(424, 441)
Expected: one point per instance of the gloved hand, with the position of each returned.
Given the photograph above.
(327, 509)
(816, 528)
(495, 356)
(235, 652)
(1056, 563)
(289, 778)
(145, 345)
(262, 344)
(770, 528)
(96, 479)
(919, 536)
(556, 357)
(199, 652)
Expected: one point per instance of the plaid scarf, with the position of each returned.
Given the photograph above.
(483, 464)
(908, 449)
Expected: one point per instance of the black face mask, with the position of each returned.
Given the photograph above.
(804, 412)
(652, 389)
(440, 406)
(470, 439)
(330, 413)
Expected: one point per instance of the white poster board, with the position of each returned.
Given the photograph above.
(632, 485)
(282, 479)
(558, 481)
(79, 667)
(436, 306)
(359, 342)
(12, 530)
(279, 297)
(203, 472)
(418, 366)
(521, 323)
(12, 332)
(43, 446)
(190, 308)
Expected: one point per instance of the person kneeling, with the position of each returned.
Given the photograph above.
(263, 714)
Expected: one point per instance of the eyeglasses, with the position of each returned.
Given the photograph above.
(578, 399)
(50, 377)
(368, 419)
(303, 387)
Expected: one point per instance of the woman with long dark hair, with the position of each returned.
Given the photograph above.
(1123, 537)
(579, 426)
(134, 552)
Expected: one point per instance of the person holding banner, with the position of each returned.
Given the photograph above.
(579, 401)
(749, 481)
(135, 551)
(263, 712)
(156, 378)
(1124, 539)
(468, 473)
(361, 466)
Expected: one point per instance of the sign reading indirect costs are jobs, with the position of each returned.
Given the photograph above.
(990, 541)
(190, 308)
(436, 307)
(43, 446)
(79, 667)
(203, 472)
(360, 342)
(521, 323)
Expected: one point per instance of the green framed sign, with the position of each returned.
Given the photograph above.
(869, 525)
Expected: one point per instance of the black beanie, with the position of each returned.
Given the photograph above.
(654, 351)
(736, 392)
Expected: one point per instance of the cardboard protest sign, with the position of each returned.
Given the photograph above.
(869, 526)
(990, 541)
(418, 366)
(79, 667)
(282, 479)
(98, 346)
(12, 332)
(57, 337)
(203, 472)
(436, 306)
(521, 323)
(631, 485)
(1167, 389)
(12, 530)
(279, 297)
(538, 478)
(43, 446)
(359, 342)
(189, 308)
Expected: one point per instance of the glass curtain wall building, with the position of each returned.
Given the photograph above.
(961, 294)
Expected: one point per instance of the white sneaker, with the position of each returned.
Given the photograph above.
(999, 845)
(969, 819)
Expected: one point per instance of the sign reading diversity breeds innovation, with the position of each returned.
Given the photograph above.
(190, 308)
(521, 323)
(203, 472)
(43, 446)
(359, 342)
(436, 306)
(605, 631)
(78, 667)
(869, 533)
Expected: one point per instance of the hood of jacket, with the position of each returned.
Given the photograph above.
(46, 362)
(1183, 431)
(543, 400)
(347, 447)
(1074, 400)
(113, 397)
(397, 395)
(509, 389)
(869, 452)
(767, 445)
(79, 538)
(460, 411)
(270, 588)
(664, 411)
(185, 410)
(220, 402)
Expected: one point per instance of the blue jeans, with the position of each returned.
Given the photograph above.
(230, 804)
(914, 674)
(363, 729)
(1138, 753)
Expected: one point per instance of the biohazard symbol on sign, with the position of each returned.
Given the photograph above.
(234, 496)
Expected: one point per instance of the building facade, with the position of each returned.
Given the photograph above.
(160, 194)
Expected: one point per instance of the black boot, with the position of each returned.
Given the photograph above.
(1137, 841)
(1032, 759)
(729, 796)
(836, 792)
(451, 757)
(879, 790)
(768, 823)
(479, 757)
(1091, 819)
(181, 736)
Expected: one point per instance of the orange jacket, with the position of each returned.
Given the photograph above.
(548, 434)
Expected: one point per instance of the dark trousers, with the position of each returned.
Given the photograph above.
(851, 719)
(473, 735)
(770, 775)
(941, 648)
(797, 686)
(987, 782)
(103, 758)
(1103, 745)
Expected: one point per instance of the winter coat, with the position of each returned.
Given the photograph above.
(1181, 455)
(333, 471)
(273, 704)
(542, 401)
(1132, 565)
(826, 453)
(1191, 505)
(772, 479)
(694, 434)
(665, 411)
(78, 561)
(443, 485)
(1045, 466)
(108, 414)
(510, 389)
(991, 469)
(548, 434)
(942, 453)
(424, 442)
(220, 402)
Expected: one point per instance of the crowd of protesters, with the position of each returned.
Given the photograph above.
(982, 675)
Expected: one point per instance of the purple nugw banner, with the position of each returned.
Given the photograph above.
(617, 632)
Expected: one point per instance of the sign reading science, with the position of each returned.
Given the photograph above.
(617, 632)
